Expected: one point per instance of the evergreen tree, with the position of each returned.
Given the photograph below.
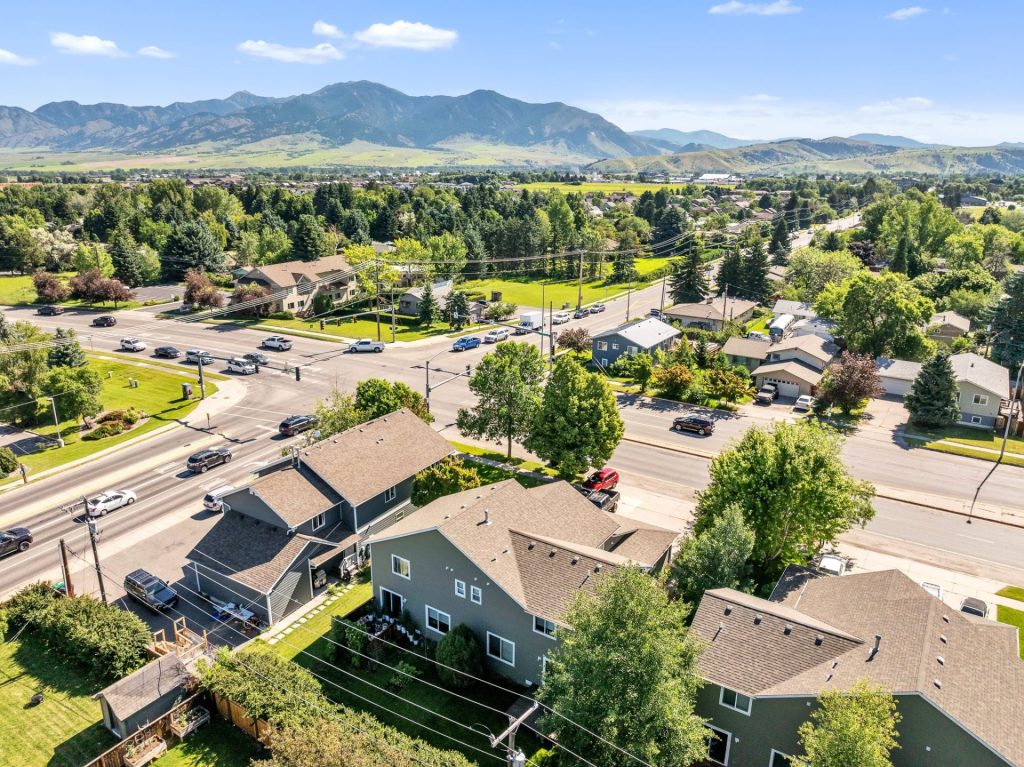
(1007, 320)
(833, 242)
(191, 245)
(687, 282)
(66, 352)
(933, 397)
(457, 309)
(429, 310)
(624, 268)
(730, 272)
(126, 257)
(385, 226)
(755, 284)
(310, 243)
(672, 223)
(779, 245)
(900, 257)
(804, 215)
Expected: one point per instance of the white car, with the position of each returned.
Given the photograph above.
(366, 345)
(241, 366)
(99, 505)
(132, 345)
(833, 564)
(280, 343)
(194, 355)
(757, 335)
(560, 318)
(804, 402)
(496, 334)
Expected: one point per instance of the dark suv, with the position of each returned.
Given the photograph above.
(50, 310)
(295, 424)
(207, 459)
(104, 321)
(150, 591)
(696, 423)
(17, 539)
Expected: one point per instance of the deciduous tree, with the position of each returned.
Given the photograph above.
(376, 397)
(449, 476)
(79, 389)
(884, 315)
(716, 558)
(674, 381)
(50, 288)
(727, 385)
(200, 290)
(851, 728)
(336, 414)
(577, 340)
(850, 381)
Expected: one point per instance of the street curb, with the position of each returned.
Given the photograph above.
(705, 454)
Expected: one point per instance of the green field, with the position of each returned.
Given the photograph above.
(971, 438)
(17, 290)
(530, 291)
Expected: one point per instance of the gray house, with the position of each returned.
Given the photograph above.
(507, 562)
(645, 336)
(310, 512)
(409, 301)
(958, 680)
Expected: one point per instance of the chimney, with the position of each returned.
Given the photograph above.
(874, 650)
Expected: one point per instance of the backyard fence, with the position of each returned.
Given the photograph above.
(160, 728)
(259, 729)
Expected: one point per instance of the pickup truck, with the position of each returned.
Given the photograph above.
(605, 500)
(767, 394)
(366, 345)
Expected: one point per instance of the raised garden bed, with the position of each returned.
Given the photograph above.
(189, 721)
(144, 752)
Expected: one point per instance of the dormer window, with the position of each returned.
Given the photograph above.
(319, 520)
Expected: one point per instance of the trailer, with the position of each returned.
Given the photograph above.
(530, 322)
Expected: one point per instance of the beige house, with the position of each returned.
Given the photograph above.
(795, 365)
(300, 282)
(712, 313)
(945, 326)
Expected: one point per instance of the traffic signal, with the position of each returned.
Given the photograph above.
(322, 323)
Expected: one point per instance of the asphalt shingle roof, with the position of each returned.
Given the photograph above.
(714, 309)
(130, 695)
(645, 334)
(295, 495)
(981, 372)
(793, 368)
(289, 273)
(746, 347)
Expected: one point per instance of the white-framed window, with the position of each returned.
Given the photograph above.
(734, 700)
(437, 620)
(476, 596)
(975, 419)
(602, 346)
(390, 494)
(614, 345)
(319, 520)
(501, 649)
(631, 349)
(401, 567)
(779, 759)
(543, 665)
(544, 626)
(718, 745)
(460, 588)
(391, 602)
(981, 399)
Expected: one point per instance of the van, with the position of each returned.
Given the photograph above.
(150, 591)
(214, 500)
(242, 366)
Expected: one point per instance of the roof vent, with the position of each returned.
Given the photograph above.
(941, 660)
(574, 560)
(828, 677)
(942, 638)
(788, 630)
(937, 683)
(835, 663)
(818, 640)
(945, 618)
(728, 609)
(757, 619)
(597, 568)
(552, 552)
(874, 650)
(530, 545)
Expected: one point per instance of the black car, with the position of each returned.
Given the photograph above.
(17, 539)
(256, 358)
(695, 423)
(166, 351)
(50, 310)
(579, 314)
(200, 462)
(295, 424)
(104, 321)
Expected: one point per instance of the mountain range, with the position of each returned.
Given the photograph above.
(368, 124)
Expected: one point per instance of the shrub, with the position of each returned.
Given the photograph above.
(545, 757)
(404, 673)
(8, 461)
(500, 310)
(28, 603)
(108, 429)
(350, 640)
(285, 315)
(696, 394)
(460, 651)
(50, 288)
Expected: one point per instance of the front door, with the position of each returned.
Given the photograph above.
(391, 602)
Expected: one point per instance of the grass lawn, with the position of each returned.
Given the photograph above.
(958, 449)
(964, 435)
(519, 463)
(158, 394)
(631, 187)
(363, 327)
(526, 291)
(1011, 592)
(218, 744)
(1012, 617)
(308, 635)
(18, 289)
(64, 730)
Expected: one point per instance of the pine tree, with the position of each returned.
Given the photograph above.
(624, 268)
(730, 272)
(933, 397)
(901, 258)
(779, 246)
(806, 218)
(126, 258)
(310, 242)
(754, 284)
(429, 309)
(457, 309)
(1007, 320)
(687, 282)
(67, 352)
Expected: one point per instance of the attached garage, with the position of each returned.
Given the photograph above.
(793, 378)
(897, 376)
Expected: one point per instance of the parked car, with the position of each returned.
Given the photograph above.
(758, 335)
(294, 424)
(366, 345)
(280, 343)
(696, 423)
(655, 313)
(767, 394)
(104, 321)
(605, 500)
(833, 564)
(560, 318)
(15, 539)
(132, 345)
(602, 479)
(579, 314)
(214, 500)
(201, 462)
(804, 402)
(934, 589)
(597, 308)
(194, 355)
(466, 342)
(240, 366)
(496, 334)
(150, 591)
(110, 500)
(169, 352)
(256, 358)
(974, 606)
(50, 310)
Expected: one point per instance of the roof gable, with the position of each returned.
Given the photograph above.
(646, 334)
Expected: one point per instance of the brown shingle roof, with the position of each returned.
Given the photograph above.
(366, 460)
(295, 495)
(746, 347)
(793, 368)
(717, 308)
(289, 273)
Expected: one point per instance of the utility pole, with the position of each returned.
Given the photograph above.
(56, 423)
(1015, 395)
(579, 294)
(551, 337)
(69, 589)
(661, 306)
(93, 538)
(629, 295)
(202, 379)
(515, 758)
(376, 292)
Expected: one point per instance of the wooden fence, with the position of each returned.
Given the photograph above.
(161, 727)
(259, 729)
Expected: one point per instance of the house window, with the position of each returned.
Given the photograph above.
(602, 346)
(779, 759)
(734, 700)
(391, 602)
(544, 626)
(543, 665)
(460, 588)
(400, 567)
(631, 349)
(319, 520)
(981, 399)
(615, 346)
(718, 745)
(291, 304)
(390, 493)
(438, 621)
(476, 596)
(501, 649)
(975, 419)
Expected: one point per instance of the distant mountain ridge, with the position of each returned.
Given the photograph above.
(700, 138)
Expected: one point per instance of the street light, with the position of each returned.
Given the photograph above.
(428, 388)
(56, 423)
(1014, 396)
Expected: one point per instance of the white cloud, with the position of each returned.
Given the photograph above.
(907, 13)
(318, 54)
(778, 8)
(154, 52)
(763, 97)
(7, 57)
(85, 45)
(324, 29)
(407, 34)
(895, 106)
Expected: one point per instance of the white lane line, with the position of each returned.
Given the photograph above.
(975, 538)
(166, 468)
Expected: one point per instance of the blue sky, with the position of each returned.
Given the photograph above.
(944, 72)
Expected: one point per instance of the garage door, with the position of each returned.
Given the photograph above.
(786, 389)
(895, 386)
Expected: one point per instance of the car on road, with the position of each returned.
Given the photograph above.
(149, 591)
(15, 539)
(132, 345)
(602, 479)
(496, 334)
(974, 606)
(168, 352)
(294, 424)
(699, 424)
(240, 366)
(804, 402)
(50, 310)
(758, 335)
(214, 500)
(104, 321)
(256, 358)
(597, 308)
(560, 318)
(204, 460)
(579, 314)
(366, 345)
(767, 394)
(280, 343)
(194, 355)
(110, 500)
(466, 342)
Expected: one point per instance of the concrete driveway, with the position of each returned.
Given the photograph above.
(885, 413)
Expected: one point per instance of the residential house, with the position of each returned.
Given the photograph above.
(982, 385)
(507, 562)
(300, 282)
(745, 351)
(819, 327)
(798, 309)
(311, 511)
(795, 365)
(974, 200)
(958, 680)
(645, 336)
(945, 326)
(409, 301)
(712, 313)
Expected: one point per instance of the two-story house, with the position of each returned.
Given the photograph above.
(311, 511)
(646, 336)
(300, 282)
(507, 562)
(795, 365)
